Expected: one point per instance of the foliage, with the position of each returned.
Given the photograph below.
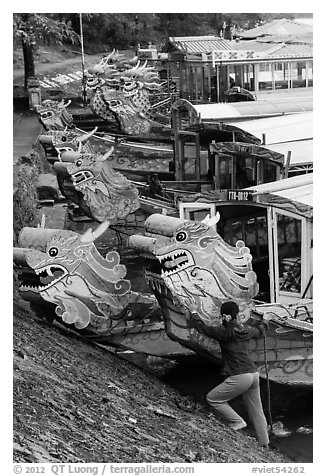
(36, 28)
(125, 30)
(25, 198)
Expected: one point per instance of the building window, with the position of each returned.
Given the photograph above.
(265, 76)
(299, 74)
(310, 73)
(281, 75)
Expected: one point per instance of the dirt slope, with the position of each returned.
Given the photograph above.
(75, 402)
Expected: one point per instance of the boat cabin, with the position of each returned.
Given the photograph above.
(275, 222)
(215, 155)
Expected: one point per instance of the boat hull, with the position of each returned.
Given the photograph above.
(286, 351)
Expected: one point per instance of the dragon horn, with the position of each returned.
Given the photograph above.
(67, 104)
(42, 224)
(107, 154)
(211, 221)
(90, 236)
(79, 147)
(85, 137)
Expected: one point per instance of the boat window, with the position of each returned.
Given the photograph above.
(236, 231)
(245, 172)
(289, 253)
(224, 175)
(251, 229)
(268, 172)
(199, 215)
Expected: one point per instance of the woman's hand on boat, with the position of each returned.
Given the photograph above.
(267, 316)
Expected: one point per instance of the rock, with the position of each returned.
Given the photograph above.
(47, 187)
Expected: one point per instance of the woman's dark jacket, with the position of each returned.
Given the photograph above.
(234, 342)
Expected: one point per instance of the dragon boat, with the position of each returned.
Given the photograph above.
(189, 261)
(66, 280)
(135, 159)
(131, 95)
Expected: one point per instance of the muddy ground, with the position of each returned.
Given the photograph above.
(77, 402)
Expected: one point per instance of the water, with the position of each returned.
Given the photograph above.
(291, 406)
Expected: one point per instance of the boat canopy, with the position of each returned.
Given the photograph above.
(277, 130)
(231, 112)
(301, 151)
(295, 193)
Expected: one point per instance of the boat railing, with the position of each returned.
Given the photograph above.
(301, 311)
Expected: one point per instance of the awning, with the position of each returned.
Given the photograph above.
(276, 105)
(301, 151)
(278, 130)
(295, 189)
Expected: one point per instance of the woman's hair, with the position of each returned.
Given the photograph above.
(230, 308)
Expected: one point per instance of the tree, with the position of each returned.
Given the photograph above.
(32, 29)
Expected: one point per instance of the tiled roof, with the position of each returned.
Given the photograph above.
(272, 50)
(292, 50)
(256, 46)
(290, 39)
(276, 27)
(200, 44)
(195, 45)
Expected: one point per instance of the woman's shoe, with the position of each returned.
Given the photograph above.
(239, 426)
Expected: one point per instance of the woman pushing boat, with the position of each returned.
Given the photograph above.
(241, 375)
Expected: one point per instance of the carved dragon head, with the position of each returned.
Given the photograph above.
(75, 277)
(53, 115)
(108, 194)
(121, 91)
(198, 265)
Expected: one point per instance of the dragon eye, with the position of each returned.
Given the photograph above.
(79, 163)
(181, 236)
(63, 138)
(53, 251)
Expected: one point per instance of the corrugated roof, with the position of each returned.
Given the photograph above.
(298, 189)
(254, 45)
(235, 112)
(292, 127)
(276, 27)
(200, 44)
(301, 151)
(274, 49)
(277, 94)
(192, 45)
(289, 39)
(292, 50)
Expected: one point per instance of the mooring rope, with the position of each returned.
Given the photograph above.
(268, 386)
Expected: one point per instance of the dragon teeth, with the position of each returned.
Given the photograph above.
(48, 270)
